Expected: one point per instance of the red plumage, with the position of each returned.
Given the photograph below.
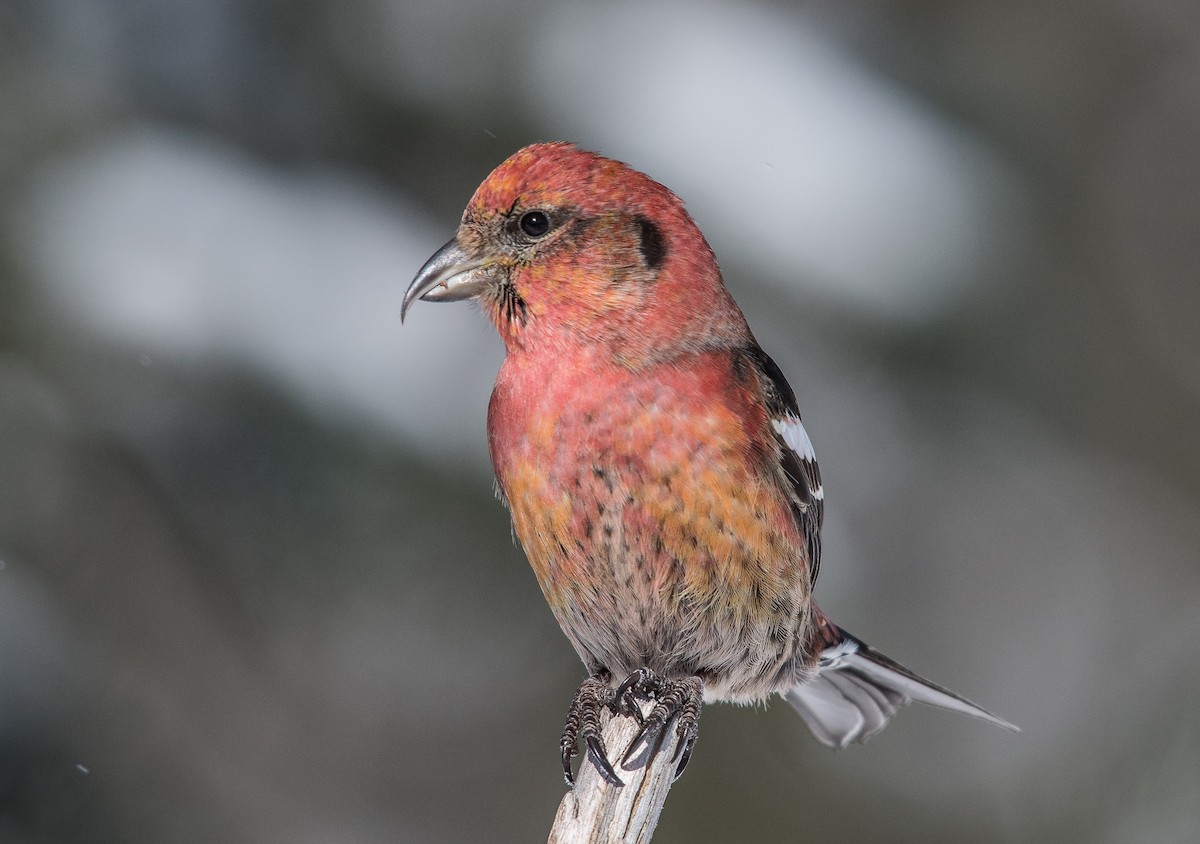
(658, 474)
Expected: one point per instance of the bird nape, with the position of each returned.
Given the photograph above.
(653, 458)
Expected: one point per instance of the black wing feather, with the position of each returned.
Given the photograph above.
(808, 505)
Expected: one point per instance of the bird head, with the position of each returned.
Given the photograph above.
(564, 247)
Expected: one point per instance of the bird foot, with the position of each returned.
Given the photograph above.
(674, 700)
(583, 724)
(677, 700)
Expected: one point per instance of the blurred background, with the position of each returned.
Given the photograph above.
(253, 582)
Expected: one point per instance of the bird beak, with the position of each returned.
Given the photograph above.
(450, 275)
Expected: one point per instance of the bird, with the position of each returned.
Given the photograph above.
(654, 462)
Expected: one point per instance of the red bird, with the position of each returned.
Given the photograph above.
(654, 462)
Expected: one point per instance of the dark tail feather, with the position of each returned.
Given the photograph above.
(857, 690)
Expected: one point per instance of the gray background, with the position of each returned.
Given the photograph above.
(254, 584)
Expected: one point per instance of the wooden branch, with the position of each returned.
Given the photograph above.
(595, 812)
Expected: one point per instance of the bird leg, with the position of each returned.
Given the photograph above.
(678, 700)
(674, 700)
(583, 723)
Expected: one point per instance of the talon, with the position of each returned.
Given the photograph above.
(599, 757)
(640, 682)
(684, 756)
(688, 730)
(646, 744)
(568, 753)
(643, 680)
(681, 747)
(626, 704)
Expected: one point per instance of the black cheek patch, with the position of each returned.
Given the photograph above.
(650, 242)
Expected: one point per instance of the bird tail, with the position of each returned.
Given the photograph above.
(857, 690)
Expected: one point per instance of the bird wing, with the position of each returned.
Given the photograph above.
(856, 689)
(798, 460)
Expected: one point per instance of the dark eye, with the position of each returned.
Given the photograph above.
(534, 223)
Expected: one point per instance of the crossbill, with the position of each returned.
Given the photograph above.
(653, 459)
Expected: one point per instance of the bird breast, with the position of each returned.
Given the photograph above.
(653, 534)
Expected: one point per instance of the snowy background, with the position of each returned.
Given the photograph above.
(253, 582)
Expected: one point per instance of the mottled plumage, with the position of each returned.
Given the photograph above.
(652, 455)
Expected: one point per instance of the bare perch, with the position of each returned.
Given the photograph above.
(595, 812)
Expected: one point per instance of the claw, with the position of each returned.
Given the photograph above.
(599, 757)
(647, 743)
(684, 757)
(568, 753)
(689, 729)
(642, 682)
(625, 703)
(684, 745)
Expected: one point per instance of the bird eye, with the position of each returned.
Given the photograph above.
(534, 223)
